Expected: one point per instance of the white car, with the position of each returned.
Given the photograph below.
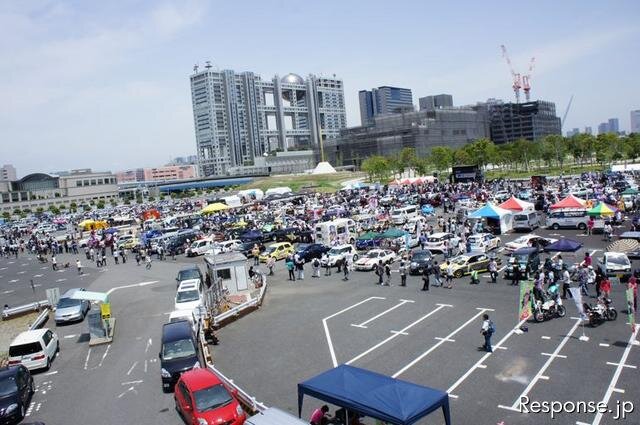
(615, 264)
(373, 257)
(436, 241)
(339, 253)
(34, 349)
(224, 246)
(483, 242)
(528, 241)
(199, 247)
(188, 296)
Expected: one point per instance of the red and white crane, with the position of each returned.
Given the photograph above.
(517, 82)
(526, 80)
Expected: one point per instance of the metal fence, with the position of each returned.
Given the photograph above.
(15, 311)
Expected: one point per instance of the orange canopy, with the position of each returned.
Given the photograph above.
(569, 202)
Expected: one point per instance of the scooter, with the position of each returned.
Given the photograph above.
(548, 308)
(601, 312)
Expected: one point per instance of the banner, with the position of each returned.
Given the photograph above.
(576, 294)
(526, 300)
(630, 310)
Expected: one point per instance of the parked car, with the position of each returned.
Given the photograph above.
(202, 398)
(466, 263)
(339, 253)
(309, 251)
(436, 241)
(199, 247)
(189, 272)
(224, 246)
(34, 349)
(188, 295)
(483, 242)
(178, 353)
(278, 250)
(274, 416)
(575, 219)
(615, 264)
(70, 309)
(528, 259)
(373, 257)
(246, 248)
(420, 259)
(530, 240)
(16, 390)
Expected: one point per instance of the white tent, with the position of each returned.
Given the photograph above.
(323, 168)
(495, 217)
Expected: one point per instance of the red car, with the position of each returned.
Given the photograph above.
(202, 399)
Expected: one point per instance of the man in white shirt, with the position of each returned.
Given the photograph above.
(487, 331)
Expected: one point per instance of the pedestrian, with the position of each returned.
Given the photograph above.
(255, 252)
(79, 266)
(92, 253)
(123, 254)
(590, 225)
(346, 266)
(299, 263)
(488, 329)
(271, 263)
(147, 262)
(605, 287)
(493, 270)
(315, 264)
(566, 284)
(319, 416)
(380, 271)
(437, 274)
(327, 266)
(583, 277)
(608, 232)
(290, 268)
(138, 258)
(403, 273)
(116, 255)
(515, 273)
(104, 258)
(587, 259)
(54, 263)
(633, 284)
(449, 275)
(387, 274)
(599, 279)
(425, 278)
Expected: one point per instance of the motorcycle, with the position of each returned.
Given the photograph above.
(548, 308)
(601, 312)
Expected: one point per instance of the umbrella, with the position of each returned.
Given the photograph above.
(563, 245)
(393, 234)
(215, 207)
(602, 209)
(369, 236)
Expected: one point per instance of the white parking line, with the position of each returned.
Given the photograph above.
(86, 361)
(624, 365)
(22, 272)
(326, 327)
(363, 324)
(9, 291)
(13, 280)
(501, 269)
(616, 375)
(70, 336)
(51, 373)
(406, 328)
(602, 344)
(132, 367)
(104, 355)
(438, 344)
(37, 275)
(515, 406)
(151, 282)
(61, 280)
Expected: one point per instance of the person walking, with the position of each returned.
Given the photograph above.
(599, 279)
(515, 274)
(387, 275)
(380, 271)
(487, 330)
(437, 274)
(449, 275)
(290, 269)
(147, 262)
(271, 263)
(116, 256)
(327, 267)
(54, 263)
(605, 287)
(566, 284)
(346, 268)
(403, 273)
(633, 284)
(299, 262)
(79, 266)
(583, 278)
(493, 270)
(255, 252)
(425, 278)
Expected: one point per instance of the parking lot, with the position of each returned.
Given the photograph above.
(303, 328)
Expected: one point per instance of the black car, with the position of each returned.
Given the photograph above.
(528, 259)
(420, 259)
(309, 251)
(16, 389)
(177, 243)
(189, 272)
(179, 352)
(246, 248)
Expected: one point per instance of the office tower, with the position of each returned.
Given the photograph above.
(239, 116)
(635, 121)
(439, 101)
(530, 120)
(8, 172)
(588, 130)
(603, 128)
(383, 100)
(614, 125)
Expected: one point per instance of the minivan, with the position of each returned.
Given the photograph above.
(34, 349)
(402, 215)
(576, 219)
(274, 416)
(178, 353)
(526, 220)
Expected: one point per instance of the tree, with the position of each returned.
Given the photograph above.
(421, 165)
(6, 215)
(632, 146)
(407, 157)
(100, 204)
(481, 152)
(151, 199)
(442, 157)
(377, 168)
(557, 146)
(462, 157)
(73, 206)
(54, 210)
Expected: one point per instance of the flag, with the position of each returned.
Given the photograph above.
(630, 310)
(526, 300)
(577, 298)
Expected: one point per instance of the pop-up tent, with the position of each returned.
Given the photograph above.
(374, 395)
(602, 210)
(570, 202)
(496, 217)
(517, 205)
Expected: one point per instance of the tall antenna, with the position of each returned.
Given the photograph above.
(208, 65)
(195, 68)
(517, 84)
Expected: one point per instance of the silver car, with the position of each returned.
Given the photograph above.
(69, 309)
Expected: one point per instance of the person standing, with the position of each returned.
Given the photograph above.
(605, 287)
(54, 263)
(449, 275)
(271, 263)
(633, 284)
(255, 252)
(387, 275)
(346, 268)
(147, 262)
(116, 255)
(599, 279)
(403, 273)
(79, 266)
(493, 270)
(515, 274)
(380, 271)
(290, 269)
(488, 328)
(437, 274)
(425, 278)
(566, 284)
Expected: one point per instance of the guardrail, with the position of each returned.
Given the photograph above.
(14, 311)
(255, 302)
(250, 403)
(43, 317)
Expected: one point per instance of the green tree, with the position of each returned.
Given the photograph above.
(16, 211)
(100, 204)
(407, 157)
(442, 157)
(54, 209)
(557, 146)
(632, 146)
(420, 165)
(462, 157)
(6, 215)
(151, 199)
(481, 152)
(377, 168)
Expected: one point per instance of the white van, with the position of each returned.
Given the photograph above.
(402, 215)
(274, 416)
(188, 295)
(576, 219)
(526, 220)
(340, 231)
(34, 349)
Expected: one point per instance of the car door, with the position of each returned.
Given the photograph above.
(184, 399)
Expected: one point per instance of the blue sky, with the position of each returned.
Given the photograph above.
(105, 84)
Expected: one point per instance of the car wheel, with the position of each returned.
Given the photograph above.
(457, 274)
(355, 257)
(582, 226)
(555, 226)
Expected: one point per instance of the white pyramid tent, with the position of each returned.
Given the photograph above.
(323, 168)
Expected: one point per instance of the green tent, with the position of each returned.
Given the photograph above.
(630, 191)
(369, 236)
(393, 234)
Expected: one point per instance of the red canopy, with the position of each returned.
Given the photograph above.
(569, 202)
(514, 204)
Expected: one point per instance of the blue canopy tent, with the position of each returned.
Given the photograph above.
(374, 395)
(497, 218)
(563, 245)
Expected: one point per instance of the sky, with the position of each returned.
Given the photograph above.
(105, 85)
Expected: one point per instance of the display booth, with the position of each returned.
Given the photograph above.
(496, 219)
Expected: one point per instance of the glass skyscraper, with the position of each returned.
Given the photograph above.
(383, 100)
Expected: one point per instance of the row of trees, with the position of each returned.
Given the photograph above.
(550, 151)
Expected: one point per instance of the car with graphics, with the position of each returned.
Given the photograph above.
(339, 253)
(369, 261)
(530, 240)
(278, 250)
(483, 242)
(466, 263)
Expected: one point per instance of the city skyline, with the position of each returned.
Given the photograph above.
(105, 85)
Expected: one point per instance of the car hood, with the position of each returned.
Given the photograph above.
(179, 365)
(221, 414)
(68, 310)
(7, 400)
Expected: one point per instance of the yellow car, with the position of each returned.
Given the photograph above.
(465, 264)
(128, 242)
(278, 251)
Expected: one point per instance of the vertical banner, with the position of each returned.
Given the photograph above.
(526, 300)
(630, 310)
(577, 298)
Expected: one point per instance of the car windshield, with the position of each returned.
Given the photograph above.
(188, 274)
(460, 261)
(187, 296)
(212, 398)
(335, 251)
(271, 249)
(434, 240)
(423, 255)
(8, 386)
(373, 254)
(618, 260)
(521, 258)
(68, 302)
(178, 349)
(303, 246)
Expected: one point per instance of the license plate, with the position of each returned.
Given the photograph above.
(619, 275)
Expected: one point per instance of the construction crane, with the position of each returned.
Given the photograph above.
(517, 83)
(566, 111)
(526, 80)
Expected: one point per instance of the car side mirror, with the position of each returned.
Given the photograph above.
(187, 407)
(160, 356)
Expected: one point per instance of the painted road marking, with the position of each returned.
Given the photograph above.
(132, 367)
(545, 337)
(554, 355)
(151, 282)
(145, 366)
(140, 381)
(86, 361)
(444, 339)
(51, 373)
(37, 275)
(482, 359)
(516, 404)
(439, 343)
(624, 365)
(602, 344)
(617, 390)
(149, 342)
(400, 333)
(406, 328)
(104, 355)
(9, 291)
(13, 280)
(70, 336)
(363, 324)
(326, 327)
(61, 279)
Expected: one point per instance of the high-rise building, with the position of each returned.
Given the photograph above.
(530, 120)
(614, 125)
(239, 117)
(383, 100)
(439, 101)
(8, 172)
(588, 130)
(573, 132)
(635, 121)
(603, 128)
